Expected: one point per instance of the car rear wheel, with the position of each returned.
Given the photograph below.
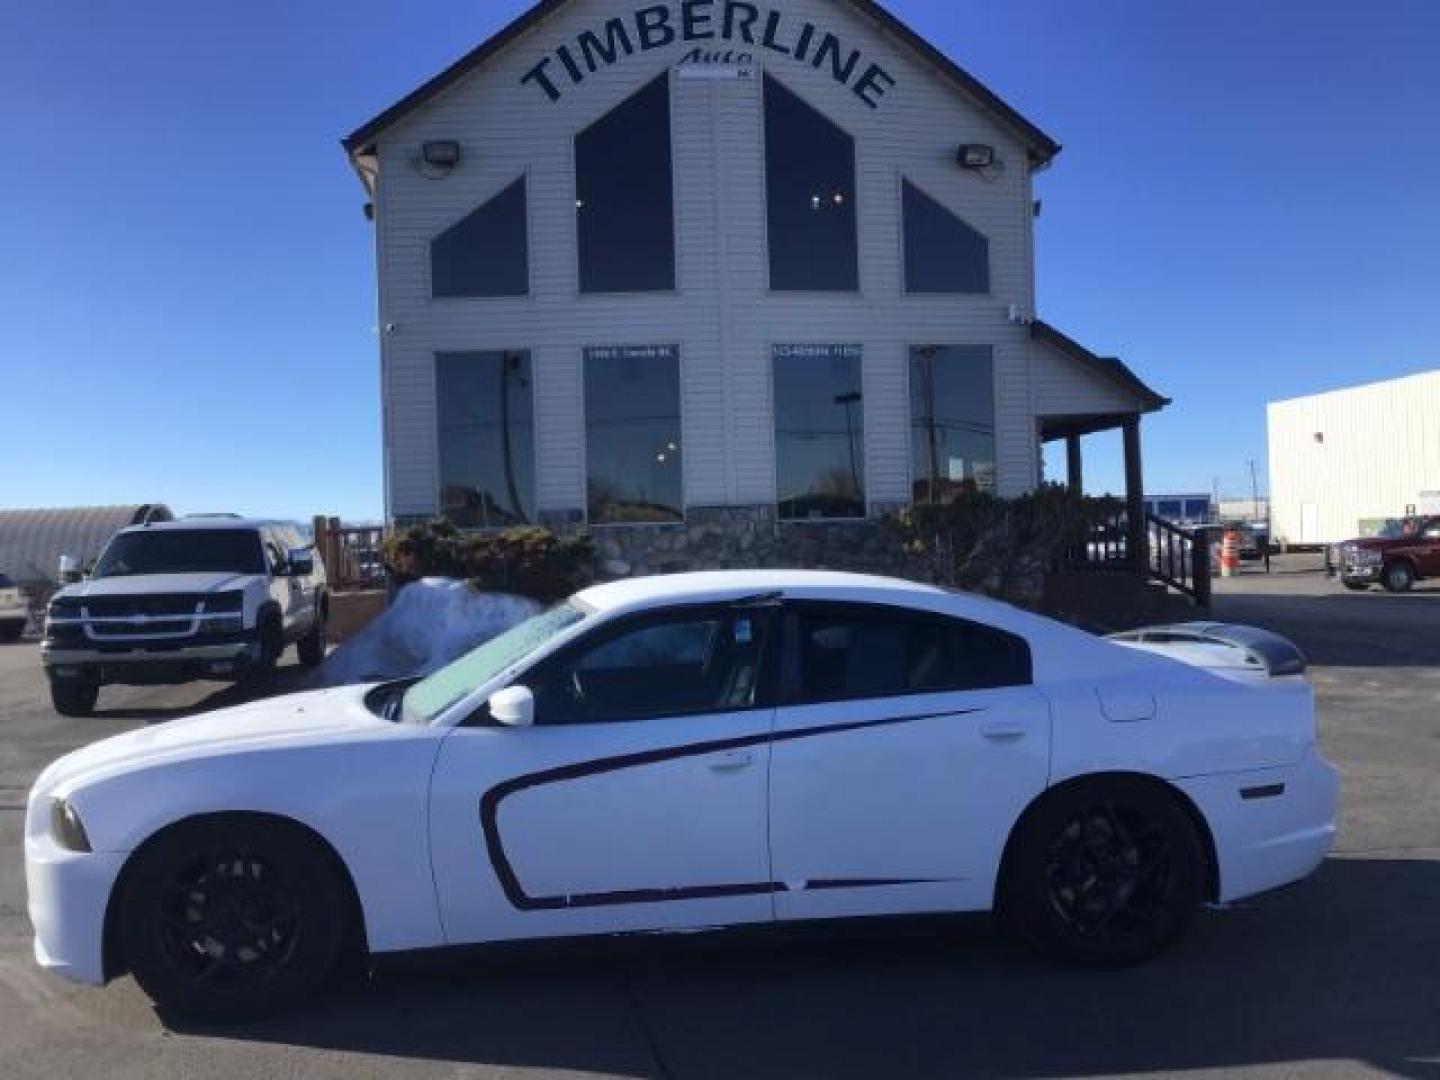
(1105, 873)
(1399, 577)
(74, 697)
(231, 917)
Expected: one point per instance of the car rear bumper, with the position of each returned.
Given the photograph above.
(1271, 827)
(68, 895)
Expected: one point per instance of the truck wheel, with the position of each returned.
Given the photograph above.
(272, 643)
(74, 697)
(311, 648)
(1399, 577)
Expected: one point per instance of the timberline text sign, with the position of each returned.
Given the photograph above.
(736, 22)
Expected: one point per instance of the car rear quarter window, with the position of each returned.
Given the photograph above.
(848, 653)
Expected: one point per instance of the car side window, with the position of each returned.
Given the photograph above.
(703, 662)
(849, 654)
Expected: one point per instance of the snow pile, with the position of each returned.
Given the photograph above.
(431, 623)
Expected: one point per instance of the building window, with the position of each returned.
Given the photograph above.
(942, 253)
(624, 196)
(634, 460)
(487, 445)
(486, 253)
(819, 431)
(810, 193)
(952, 419)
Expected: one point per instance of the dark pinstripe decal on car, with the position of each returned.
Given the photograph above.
(515, 892)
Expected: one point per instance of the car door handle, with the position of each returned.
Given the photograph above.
(1002, 730)
(734, 761)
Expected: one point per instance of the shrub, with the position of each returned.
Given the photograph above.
(1003, 547)
(527, 561)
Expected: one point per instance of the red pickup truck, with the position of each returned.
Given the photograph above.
(1403, 553)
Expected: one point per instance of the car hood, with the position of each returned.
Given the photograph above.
(323, 716)
(151, 584)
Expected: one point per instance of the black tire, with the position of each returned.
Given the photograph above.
(1357, 586)
(74, 697)
(1105, 873)
(231, 917)
(261, 674)
(311, 648)
(1398, 577)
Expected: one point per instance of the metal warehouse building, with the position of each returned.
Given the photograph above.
(32, 541)
(716, 268)
(1343, 463)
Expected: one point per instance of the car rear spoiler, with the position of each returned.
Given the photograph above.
(1258, 648)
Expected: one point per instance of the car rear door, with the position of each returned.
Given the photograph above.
(636, 802)
(906, 745)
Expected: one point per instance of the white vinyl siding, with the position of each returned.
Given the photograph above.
(722, 314)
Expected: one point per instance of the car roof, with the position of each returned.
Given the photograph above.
(210, 524)
(729, 585)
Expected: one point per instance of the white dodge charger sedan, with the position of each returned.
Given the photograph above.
(691, 752)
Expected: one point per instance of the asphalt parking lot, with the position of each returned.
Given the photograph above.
(1335, 977)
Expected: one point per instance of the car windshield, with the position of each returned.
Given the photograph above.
(1395, 530)
(181, 551)
(430, 697)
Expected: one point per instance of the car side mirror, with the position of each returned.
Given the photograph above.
(513, 707)
(300, 562)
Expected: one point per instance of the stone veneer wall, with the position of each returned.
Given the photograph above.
(750, 537)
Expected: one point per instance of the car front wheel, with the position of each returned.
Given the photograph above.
(231, 917)
(1399, 577)
(74, 697)
(1105, 873)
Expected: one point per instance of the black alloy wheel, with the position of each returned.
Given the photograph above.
(229, 919)
(1106, 874)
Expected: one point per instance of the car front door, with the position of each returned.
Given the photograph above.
(636, 802)
(906, 746)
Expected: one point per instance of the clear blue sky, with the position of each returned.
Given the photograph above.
(1248, 208)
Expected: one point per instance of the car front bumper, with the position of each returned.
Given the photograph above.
(68, 895)
(216, 658)
(1271, 827)
(1368, 573)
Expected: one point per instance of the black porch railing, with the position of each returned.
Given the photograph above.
(1170, 554)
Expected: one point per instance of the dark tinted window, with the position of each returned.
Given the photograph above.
(487, 455)
(942, 253)
(624, 196)
(633, 450)
(486, 253)
(850, 653)
(663, 666)
(819, 431)
(1197, 509)
(810, 189)
(952, 420)
(174, 551)
(1169, 509)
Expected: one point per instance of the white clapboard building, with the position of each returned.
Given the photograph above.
(715, 265)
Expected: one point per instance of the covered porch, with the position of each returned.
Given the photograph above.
(1080, 393)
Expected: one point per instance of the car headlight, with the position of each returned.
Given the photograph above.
(65, 826)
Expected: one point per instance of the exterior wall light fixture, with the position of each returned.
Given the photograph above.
(976, 156)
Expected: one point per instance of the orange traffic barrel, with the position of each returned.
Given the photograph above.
(1230, 553)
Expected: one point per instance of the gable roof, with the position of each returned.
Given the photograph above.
(1041, 147)
(1109, 368)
